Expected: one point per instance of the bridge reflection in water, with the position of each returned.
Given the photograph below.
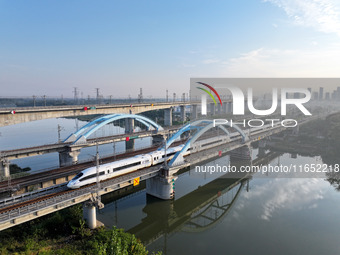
(202, 208)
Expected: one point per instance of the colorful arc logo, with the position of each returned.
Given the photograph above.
(204, 100)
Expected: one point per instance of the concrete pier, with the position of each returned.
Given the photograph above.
(89, 214)
(161, 187)
(129, 129)
(212, 108)
(194, 112)
(68, 157)
(157, 139)
(168, 117)
(242, 153)
(219, 109)
(4, 168)
(182, 112)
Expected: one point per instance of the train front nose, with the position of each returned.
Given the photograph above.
(70, 185)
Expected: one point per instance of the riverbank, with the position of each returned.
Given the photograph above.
(65, 232)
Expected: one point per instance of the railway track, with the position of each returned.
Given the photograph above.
(66, 190)
(37, 178)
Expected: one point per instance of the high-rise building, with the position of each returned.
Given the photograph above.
(327, 96)
(320, 93)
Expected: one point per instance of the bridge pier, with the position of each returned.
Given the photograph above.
(4, 168)
(129, 129)
(68, 157)
(242, 153)
(225, 107)
(219, 109)
(89, 214)
(194, 112)
(157, 139)
(229, 107)
(162, 187)
(212, 108)
(182, 112)
(168, 117)
(262, 150)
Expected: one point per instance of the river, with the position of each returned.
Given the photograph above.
(211, 214)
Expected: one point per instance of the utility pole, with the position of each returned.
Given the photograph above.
(34, 97)
(114, 150)
(44, 97)
(60, 128)
(82, 97)
(99, 204)
(140, 95)
(97, 92)
(75, 92)
(165, 152)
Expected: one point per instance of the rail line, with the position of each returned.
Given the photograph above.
(61, 172)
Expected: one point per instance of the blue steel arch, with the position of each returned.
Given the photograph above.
(84, 132)
(178, 158)
(189, 127)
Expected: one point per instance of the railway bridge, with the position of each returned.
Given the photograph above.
(159, 178)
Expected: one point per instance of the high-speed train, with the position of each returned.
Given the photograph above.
(120, 167)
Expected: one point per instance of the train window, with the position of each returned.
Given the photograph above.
(88, 177)
(77, 176)
(108, 171)
(91, 176)
(127, 166)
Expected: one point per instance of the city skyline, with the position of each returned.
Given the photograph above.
(48, 48)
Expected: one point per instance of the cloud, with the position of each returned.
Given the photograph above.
(322, 15)
(264, 62)
(292, 194)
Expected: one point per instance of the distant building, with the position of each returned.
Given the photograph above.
(320, 93)
(334, 95)
(327, 96)
(315, 95)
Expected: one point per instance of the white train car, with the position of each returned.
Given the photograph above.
(110, 170)
(121, 167)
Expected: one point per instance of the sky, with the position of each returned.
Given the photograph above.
(49, 47)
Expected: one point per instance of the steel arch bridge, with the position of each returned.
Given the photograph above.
(200, 130)
(80, 136)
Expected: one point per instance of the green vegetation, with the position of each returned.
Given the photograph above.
(16, 172)
(64, 232)
(14, 168)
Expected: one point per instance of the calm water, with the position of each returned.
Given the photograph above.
(210, 215)
(46, 132)
(268, 215)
